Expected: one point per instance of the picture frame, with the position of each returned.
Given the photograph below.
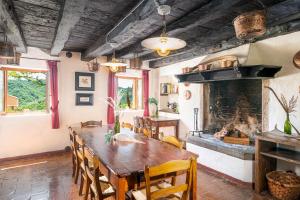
(84, 99)
(84, 81)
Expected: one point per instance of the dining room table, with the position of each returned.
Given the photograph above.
(123, 161)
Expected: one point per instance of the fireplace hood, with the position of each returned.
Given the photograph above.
(252, 65)
(232, 73)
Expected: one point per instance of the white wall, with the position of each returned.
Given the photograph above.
(185, 106)
(31, 133)
(277, 51)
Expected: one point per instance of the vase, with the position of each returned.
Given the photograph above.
(156, 112)
(287, 125)
(117, 125)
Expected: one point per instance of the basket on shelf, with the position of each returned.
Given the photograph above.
(284, 185)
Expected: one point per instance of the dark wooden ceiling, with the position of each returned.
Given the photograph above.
(82, 25)
(98, 18)
(38, 20)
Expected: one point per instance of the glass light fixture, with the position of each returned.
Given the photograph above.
(163, 45)
(7, 50)
(114, 64)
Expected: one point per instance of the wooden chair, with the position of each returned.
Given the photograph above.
(98, 189)
(147, 128)
(136, 125)
(164, 190)
(173, 141)
(91, 124)
(81, 170)
(73, 150)
(127, 125)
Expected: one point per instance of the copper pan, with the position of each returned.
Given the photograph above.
(296, 60)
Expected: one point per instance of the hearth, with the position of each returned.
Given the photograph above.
(233, 108)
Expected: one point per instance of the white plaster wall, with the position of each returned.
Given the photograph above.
(31, 133)
(234, 167)
(280, 51)
(277, 51)
(185, 106)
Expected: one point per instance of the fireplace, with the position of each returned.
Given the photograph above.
(234, 105)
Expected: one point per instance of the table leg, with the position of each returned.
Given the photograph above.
(177, 130)
(193, 193)
(121, 189)
(156, 136)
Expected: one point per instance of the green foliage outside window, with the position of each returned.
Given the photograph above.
(29, 88)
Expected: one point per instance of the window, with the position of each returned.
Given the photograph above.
(130, 92)
(23, 90)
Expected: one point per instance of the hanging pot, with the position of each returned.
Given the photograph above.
(250, 24)
(94, 66)
(7, 51)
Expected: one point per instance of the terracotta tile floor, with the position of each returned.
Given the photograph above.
(50, 178)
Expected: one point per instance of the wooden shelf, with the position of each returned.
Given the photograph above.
(284, 154)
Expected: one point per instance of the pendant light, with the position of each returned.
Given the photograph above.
(114, 64)
(7, 50)
(163, 45)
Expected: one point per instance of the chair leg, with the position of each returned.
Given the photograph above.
(81, 184)
(77, 168)
(73, 166)
(173, 182)
(86, 189)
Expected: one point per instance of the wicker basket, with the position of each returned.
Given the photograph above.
(250, 25)
(284, 185)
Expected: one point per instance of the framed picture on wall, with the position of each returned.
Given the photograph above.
(84, 99)
(84, 81)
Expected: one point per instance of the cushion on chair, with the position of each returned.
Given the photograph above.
(103, 179)
(105, 187)
(141, 194)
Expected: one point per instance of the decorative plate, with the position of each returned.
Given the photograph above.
(296, 60)
(187, 94)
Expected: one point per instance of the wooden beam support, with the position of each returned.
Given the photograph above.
(231, 43)
(8, 21)
(71, 13)
(140, 23)
(188, 25)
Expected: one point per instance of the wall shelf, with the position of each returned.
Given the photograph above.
(230, 73)
(284, 154)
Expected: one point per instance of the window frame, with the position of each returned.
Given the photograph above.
(135, 90)
(5, 84)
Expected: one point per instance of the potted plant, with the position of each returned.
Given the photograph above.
(154, 101)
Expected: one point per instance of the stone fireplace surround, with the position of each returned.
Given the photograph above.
(233, 161)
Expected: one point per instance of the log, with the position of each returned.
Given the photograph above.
(9, 22)
(73, 9)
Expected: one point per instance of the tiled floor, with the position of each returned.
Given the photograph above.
(50, 178)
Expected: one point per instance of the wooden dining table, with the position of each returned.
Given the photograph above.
(123, 162)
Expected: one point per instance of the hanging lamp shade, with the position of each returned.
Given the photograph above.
(114, 65)
(7, 51)
(163, 45)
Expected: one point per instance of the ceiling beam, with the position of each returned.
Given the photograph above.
(71, 13)
(9, 22)
(139, 22)
(187, 25)
(274, 31)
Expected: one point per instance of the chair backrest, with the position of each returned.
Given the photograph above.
(127, 125)
(91, 124)
(173, 141)
(91, 162)
(171, 167)
(72, 135)
(147, 132)
(79, 147)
